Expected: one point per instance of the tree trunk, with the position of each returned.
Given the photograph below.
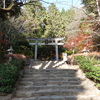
(98, 8)
(4, 4)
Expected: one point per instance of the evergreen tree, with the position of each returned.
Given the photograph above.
(55, 26)
(33, 20)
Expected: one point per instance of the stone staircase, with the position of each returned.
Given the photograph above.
(55, 84)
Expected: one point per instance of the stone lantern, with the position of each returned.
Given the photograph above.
(85, 50)
(10, 51)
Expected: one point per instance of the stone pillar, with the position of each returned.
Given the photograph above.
(56, 47)
(36, 47)
(64, 55)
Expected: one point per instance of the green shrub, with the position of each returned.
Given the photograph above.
(2, 56)
(18, 51)
(90, 66)
(9, 73)
(25, 52)
(69, 52)
(29, 53)
(18, 63)
(6, 89)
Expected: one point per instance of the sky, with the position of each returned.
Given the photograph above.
(66, 4)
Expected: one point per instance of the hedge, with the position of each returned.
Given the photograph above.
(9, 74)
(91, 67)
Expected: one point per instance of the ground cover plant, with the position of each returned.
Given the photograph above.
(9, 74)
(91, 67)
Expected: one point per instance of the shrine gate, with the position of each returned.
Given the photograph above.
(54, 41)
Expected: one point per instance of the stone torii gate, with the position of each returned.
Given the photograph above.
(46, 42)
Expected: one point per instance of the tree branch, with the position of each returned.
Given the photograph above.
(9, 8)
(14, 4)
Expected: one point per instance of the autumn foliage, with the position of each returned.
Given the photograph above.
(83, 38)
(79, 42)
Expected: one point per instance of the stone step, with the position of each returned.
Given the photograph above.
(53, 79)
(54, 84)
(45, 73)
(86, 83)
(37, 74)
(60, 92)
(30, 83)
(33, 75)
(49, 71)
(38, 70)
(44, 87)
(57, 97)
(52, 75)
(49, 82)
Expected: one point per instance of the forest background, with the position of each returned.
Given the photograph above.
(20, 19)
